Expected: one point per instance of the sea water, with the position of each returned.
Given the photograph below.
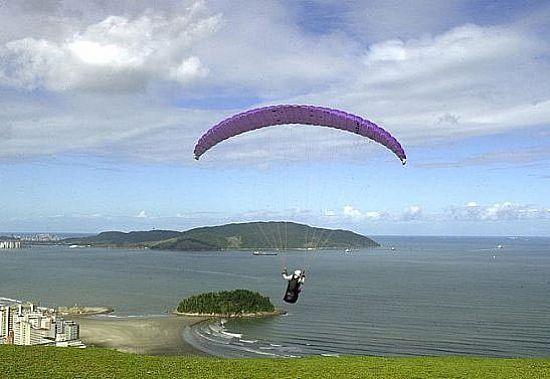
(413, 296)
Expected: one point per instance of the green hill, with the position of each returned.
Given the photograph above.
(32, 362)
(251, 235)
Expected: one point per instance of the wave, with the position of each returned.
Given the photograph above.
(213, 338)
(9, 300)
(248, 341)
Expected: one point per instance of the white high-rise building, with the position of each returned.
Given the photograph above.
(10, 244)
(28, 325)
(4, 314)
(72, 331)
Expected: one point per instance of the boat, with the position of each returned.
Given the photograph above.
(263, 253)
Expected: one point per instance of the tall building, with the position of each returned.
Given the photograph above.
(25, 334)
(72, 331)
(5, 321)
(27, 325)
(10, 244)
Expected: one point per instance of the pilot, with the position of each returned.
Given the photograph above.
(295, 282)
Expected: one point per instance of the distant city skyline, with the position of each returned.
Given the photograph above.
(100, 107)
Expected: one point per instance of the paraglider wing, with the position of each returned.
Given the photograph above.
(296, 114)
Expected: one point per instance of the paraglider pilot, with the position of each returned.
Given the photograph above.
(295, 282)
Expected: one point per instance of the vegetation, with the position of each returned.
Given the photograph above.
(234, 302)
(49, 362)
(252, 235)
(186, 244)
(123, 239)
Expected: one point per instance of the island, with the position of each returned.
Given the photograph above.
(237, 236)
(236, 303)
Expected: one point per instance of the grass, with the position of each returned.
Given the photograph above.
(50, 362)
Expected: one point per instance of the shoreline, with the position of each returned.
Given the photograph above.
(276, 312)
(77, 311)
(150, 335)
(239, 249)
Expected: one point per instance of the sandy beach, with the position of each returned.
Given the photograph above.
(161, 335)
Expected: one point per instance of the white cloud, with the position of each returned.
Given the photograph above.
(353, 213)
(115, 54)
(471, 211)
(509, 211)
(504, 211)
(249, 50)
(93, 53)
(479, 80)
(142, 214)
(112, 127)
(413, 212)
(188, 69)
(374, 215)
(350, 211)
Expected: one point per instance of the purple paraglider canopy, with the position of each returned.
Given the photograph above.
(296, 114)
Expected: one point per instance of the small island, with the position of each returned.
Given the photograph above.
(236, 303)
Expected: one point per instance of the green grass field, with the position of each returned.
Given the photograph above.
(48, 362)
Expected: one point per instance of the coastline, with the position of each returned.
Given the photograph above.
(236, 249)
(276, 312)
(77, 311)
(151, 335)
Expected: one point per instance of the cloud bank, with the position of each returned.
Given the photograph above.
(472, 211)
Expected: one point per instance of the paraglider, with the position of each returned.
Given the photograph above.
(295, 282)
(296, 114)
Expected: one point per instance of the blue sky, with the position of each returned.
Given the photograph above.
(100, 106)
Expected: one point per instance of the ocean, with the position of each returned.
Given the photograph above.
(414, 296)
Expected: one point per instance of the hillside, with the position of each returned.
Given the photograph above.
(113, 238)
(50, 362)
(252, 235)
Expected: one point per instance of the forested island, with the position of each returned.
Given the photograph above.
(236, 303)
(251, 235)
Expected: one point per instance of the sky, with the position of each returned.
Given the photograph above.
(101, 104)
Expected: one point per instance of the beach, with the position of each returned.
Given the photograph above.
(161, 335)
